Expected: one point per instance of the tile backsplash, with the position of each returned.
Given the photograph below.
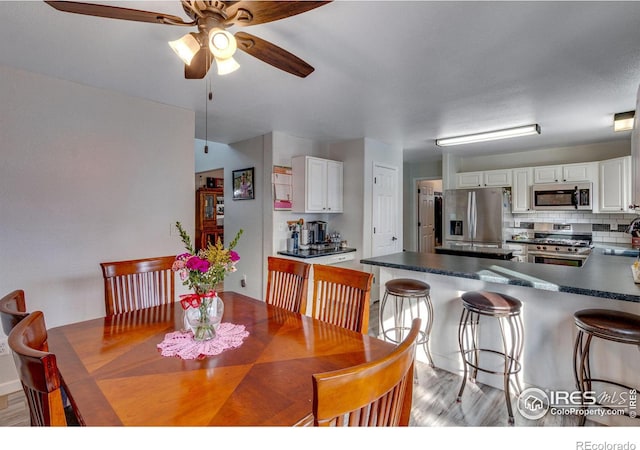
(605, 227)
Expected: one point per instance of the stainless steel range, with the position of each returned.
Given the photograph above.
(560, 244)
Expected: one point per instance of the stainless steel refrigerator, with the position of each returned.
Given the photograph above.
(476, 216)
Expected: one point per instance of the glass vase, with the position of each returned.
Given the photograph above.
(204, 320)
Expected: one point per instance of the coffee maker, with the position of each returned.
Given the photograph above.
(319, 230)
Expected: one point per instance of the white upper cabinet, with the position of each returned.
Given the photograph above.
(497, 178)
(566, 173)
(334, 186)
(317, 185)
(469, 179)
(488, 178)
(547, 174)
(615, 185)
(521, 190)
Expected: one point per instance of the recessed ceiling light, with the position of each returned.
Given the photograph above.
(490, 135)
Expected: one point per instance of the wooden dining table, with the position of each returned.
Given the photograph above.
(115, 375)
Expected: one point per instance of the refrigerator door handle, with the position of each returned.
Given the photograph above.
(469, 216)
(475, 217)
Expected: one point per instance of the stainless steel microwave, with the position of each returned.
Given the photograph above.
(562, 197)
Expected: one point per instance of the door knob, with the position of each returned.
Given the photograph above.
(394, 238)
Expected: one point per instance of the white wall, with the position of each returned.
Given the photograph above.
(285, 147)
(245, 214)
(351, 222)
(87, 175)
(543, 157)
(412, 174)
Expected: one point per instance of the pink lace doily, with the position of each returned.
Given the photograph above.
(182, 344)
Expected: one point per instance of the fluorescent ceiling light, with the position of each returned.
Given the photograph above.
(490, 135)
(623, 121)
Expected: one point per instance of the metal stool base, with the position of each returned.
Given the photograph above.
(400, 329)
(470, 351)
(582, 369)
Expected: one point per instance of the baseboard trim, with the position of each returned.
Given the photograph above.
(9, 387)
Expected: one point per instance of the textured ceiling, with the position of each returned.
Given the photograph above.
(404, 73)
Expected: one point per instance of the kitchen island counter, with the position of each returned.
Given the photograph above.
(606, 276)
(550, 296)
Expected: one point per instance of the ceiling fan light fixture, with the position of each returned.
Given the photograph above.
(490, 135)
(186, 47)
(226, 66)
(222, 44)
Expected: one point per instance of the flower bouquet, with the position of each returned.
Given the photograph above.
(202, 271)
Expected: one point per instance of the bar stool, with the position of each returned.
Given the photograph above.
(417, 294)
(507, 310)
(615, 326)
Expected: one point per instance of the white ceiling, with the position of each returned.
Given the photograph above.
(399, 72)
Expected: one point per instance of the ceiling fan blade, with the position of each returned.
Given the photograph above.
(245, 13)
(114, 12)
(199, 65)
(272, 54)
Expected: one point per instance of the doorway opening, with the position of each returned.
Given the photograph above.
(429, 210)
(209, 220)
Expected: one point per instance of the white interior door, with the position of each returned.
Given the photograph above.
(385, 211)
(426, 217)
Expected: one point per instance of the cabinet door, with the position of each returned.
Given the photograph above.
(614, 185)
(470, 179)
(497, 178)
(547, 174)
(316, 185)
(208, 205)
(578, 172)
(521, 193)
(334, 186)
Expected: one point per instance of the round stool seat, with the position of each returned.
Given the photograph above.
(616, 326)
(407, 287)
(491, 303)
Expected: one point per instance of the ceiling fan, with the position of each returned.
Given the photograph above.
(212, 41)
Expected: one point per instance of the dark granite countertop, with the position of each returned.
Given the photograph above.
(316, 253)
(603, 275)
(479, 252)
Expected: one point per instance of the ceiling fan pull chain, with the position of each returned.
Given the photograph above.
(207, 86)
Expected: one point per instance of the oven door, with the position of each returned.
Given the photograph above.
(558, 259)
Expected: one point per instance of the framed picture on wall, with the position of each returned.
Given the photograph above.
(243, 184)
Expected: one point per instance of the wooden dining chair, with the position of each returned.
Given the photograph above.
(38, 372)
(137, 284)
(287, 283)
(13, 309)
(341, 296)
(376, 393)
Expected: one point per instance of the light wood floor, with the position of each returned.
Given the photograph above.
(434, 402)
(434, 405)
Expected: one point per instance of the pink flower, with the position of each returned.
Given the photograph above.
(233, 256)
(197, 263)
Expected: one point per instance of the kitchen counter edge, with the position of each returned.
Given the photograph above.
(604, 276)
(319, 253)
